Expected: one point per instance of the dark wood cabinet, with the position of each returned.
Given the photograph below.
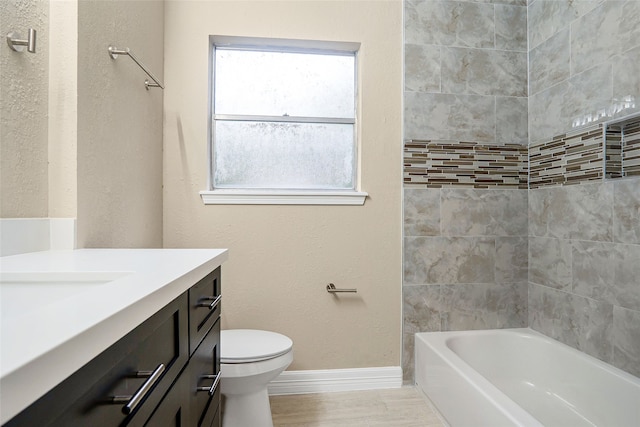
(161, 373)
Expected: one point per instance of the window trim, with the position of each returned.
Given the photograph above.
(280, 196)
(283, 197)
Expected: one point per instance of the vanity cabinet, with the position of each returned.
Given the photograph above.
(164, 372)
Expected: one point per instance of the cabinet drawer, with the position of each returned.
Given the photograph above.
(85, 398)
(204, 370)
(204, 307)
(173, 411)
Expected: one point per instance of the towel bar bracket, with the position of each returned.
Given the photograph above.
(114, 52)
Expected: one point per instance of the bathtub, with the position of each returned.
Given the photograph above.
(519, 377)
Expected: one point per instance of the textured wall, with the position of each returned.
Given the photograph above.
(584, 248)
(63, 109)
(23, 112)
(282, 257)
(583, 58)
(119, 150)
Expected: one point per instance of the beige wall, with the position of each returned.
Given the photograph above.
(282, 257)
(63, 108)
(23, 112)
(119, 152)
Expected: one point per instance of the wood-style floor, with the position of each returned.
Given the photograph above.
(400, 407)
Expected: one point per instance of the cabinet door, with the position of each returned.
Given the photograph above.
(173, 411)
(86, 397)
(204, 307)
(204, 372)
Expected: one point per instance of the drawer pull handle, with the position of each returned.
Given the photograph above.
(213, 304)
(213, 387)
(133, 401)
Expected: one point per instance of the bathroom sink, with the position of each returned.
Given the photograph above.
(22, 292)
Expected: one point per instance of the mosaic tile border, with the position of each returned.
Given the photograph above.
(567, 159)
(437, 164)
(631, 150)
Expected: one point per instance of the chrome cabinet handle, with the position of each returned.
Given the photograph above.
(213, 387)
(133, 401)
(213, 304)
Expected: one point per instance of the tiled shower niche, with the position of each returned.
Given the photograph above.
(622, 142)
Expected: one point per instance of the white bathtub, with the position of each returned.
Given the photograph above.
(518, 377)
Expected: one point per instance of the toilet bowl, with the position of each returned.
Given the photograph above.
(249, 360)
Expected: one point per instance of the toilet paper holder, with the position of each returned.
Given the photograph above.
(331, 288)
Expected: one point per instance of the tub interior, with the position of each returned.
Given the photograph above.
(556, 384)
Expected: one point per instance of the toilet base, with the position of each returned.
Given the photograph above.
(247, 410)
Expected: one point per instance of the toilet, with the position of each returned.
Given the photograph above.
(249, 360)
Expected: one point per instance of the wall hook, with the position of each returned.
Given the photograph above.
(17, 44)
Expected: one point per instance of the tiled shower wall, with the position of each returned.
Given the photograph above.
(584, 269)
(465, 84)
(583, 63)
(584, 244)
(465, 263)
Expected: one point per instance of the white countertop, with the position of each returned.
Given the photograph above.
(60, 309)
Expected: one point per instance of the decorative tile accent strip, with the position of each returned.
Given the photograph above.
(436, 164)
(567, 159)
(613, 163)
(631, 149)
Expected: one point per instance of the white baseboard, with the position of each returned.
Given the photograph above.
(329, 380)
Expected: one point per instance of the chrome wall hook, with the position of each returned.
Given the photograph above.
(17, 44)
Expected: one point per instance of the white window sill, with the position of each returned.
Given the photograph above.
(274, 197)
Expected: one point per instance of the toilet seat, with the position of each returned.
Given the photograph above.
(249, 345)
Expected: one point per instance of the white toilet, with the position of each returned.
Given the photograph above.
(249, 360)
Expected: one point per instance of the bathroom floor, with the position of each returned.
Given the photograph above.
(400, 407)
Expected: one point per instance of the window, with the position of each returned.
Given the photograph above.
(283, 120)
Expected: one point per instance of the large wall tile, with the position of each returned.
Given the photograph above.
(626, 292)
(422, 68)
(512, 120)
(484, 72)
(445, 116)
(538, 205)
(437, 260)
(546, 118)
(608, 30)
(626, 79)
(512, 262)
(421, 308)
(408, 358)
(422, 212)
(588, 92)
(573, 212)
(626, 340)
(484, 306)
(626, 211)
(511, 27)
(547, 17)
(580, 322)
(471, 212)
(449, 23)
(549, 62)
(550, 262)
(593, 270)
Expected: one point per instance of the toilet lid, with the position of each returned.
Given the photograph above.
(249, 345)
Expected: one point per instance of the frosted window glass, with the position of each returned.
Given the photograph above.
(284, 83)
(283, 155)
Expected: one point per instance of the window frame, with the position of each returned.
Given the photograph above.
(282, 196)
